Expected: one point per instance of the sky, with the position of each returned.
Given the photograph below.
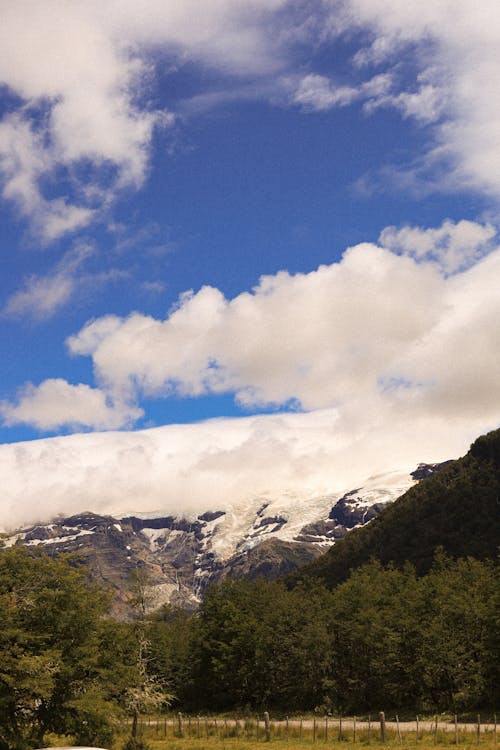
(279, 216)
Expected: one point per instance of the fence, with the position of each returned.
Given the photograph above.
(378, 729)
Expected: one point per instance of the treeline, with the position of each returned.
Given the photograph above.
(385, 637)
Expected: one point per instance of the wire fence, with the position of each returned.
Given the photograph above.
(376, 729)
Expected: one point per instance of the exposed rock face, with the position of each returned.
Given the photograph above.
(265, 536)
(426, 470)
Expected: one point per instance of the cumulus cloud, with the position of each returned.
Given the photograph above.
(298, 337)
(55, 403)
(458, 82)
(76, 88)
(453, 246)
(82, 76)
(414, 330)
(375, 332)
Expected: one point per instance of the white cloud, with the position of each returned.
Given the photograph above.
(42, 296)
(77, 88)
(211, 465)
(317, 93)
(394, 361)
(83, 72)
(456, 50)
(295, 337)
(375, 333)
(24, 160)
(342, 336)
(452, 246)
(424, 104)
(55, 403)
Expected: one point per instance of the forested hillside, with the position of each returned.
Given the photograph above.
(457, 509)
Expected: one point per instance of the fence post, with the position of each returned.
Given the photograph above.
(382, 726)
(478, 728)
(300, 730)
(340, 727)
(436, 731)
(495, 729)
(456, 730)
(369, 728)
(314, 729)
(397, 726)
(326, 728)
(180, 725)
(286, 729)
(417, 730)
(267, 726)
(354, 729)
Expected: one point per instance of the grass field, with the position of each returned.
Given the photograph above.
(469, 743)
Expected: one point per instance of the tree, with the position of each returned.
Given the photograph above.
(51, 670)
(145, 692)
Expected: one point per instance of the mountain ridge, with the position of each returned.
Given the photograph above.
(269, 536)
(456, 509)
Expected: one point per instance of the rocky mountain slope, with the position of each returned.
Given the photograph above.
(269, 535)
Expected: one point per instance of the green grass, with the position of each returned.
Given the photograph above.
(243, 744)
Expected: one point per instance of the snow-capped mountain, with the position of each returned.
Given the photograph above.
(270, 534)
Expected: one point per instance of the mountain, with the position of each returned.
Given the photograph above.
(269, 535)
(457, 508)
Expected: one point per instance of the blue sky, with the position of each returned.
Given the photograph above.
(149, 149)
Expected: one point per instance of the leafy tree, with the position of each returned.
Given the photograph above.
(50, 666)
(456, 628)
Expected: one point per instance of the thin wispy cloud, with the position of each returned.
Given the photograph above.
(43, 296)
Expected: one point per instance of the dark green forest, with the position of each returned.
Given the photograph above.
(403, 614)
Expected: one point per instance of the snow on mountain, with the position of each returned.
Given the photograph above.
(182, 555)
